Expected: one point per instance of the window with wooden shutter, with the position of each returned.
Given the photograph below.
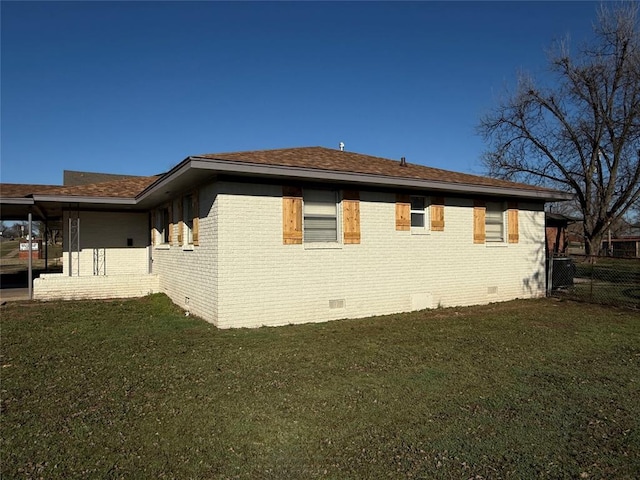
(153, 227)
(291, 215)
(403, 212)
(351, 216)
(195, 229)
(479, 210)
(180, 222)
(437, 214)
(512, 223)
(162, 225)
(170, 237)
(188, 215)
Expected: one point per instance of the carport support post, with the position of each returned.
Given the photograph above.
(30, 262)
(46, 244)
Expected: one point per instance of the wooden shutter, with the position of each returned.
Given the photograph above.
(180, 222)
(512, 223)
(437, 214)
(479, 212)
(403, 212)
(195, 232)
(291, 215)
(153, 227)
(170, 213)
(351, 216)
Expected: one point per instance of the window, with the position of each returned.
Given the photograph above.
(163, 223)
(494, 222)
(187, 215)
(418, 214)
(320, 216)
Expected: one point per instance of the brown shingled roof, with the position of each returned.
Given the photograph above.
(335, 160)
(124, 188)
(311, 158)
(127, 187)
(21, 190)
(72, 178)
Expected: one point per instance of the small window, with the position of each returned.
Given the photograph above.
(494, 222)
(418, 213)
(187, 215)
(320, 216)
(163, 224)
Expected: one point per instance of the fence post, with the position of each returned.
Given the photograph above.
(592, 263)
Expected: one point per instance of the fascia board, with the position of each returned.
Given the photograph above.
(83, 199)
(17, 201)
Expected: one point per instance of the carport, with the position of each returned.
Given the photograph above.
(17, 203)
(66, 204)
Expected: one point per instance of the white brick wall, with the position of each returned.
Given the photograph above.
(263, 282)
(123, 270)
(241, 274)
(61, 286)
(189, 276)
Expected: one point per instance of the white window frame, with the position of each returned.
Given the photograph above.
(423, 212)
(491, 211)
(306, 216)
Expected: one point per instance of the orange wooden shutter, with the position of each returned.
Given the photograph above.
(195, 232)
(291, 215)
(512, 223)
(153, 228)
(403, 212)
(351, 216)
(170, 212)
(180, 222)
(479, 211)
(437, 214)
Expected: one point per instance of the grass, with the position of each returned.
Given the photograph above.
(133, 389)
(615, 270)
(612, 281)
(7, 246)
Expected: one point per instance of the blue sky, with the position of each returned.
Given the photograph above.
(135, 87)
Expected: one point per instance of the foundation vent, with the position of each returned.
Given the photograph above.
(340, 303)
(492, 290)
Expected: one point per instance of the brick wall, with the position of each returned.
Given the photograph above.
(241, 274)
(263, 282)
(188, 274)
(122, 270)
(61, 286)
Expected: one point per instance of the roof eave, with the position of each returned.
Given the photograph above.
(17, 201)
(85, 199)
(224, 166)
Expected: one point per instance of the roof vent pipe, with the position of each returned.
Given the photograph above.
(341, 145)
(403, 162)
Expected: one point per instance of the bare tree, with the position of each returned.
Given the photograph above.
(582, 133)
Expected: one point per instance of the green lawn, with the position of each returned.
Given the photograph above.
(133, 389)
(7, 246)
(614, 281)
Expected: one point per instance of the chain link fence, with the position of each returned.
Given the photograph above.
(606, 280)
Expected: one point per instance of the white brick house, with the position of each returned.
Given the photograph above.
(298, 235)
